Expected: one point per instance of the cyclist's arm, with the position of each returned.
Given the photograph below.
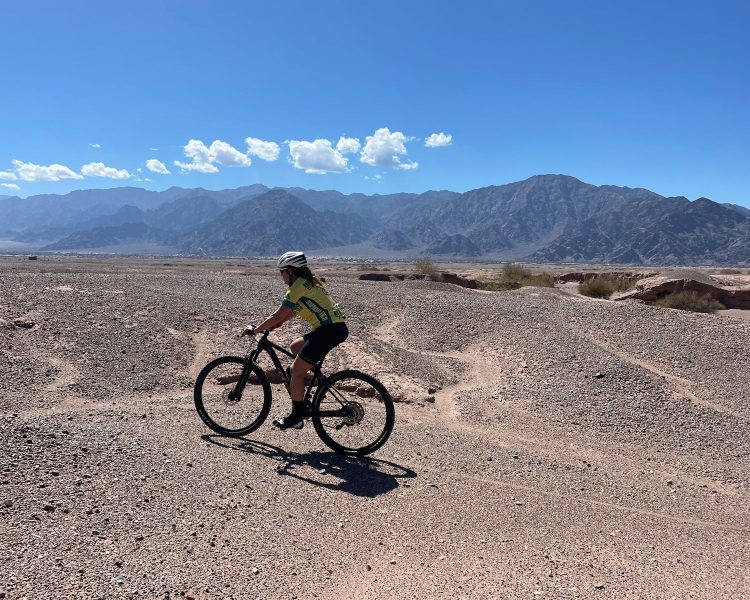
(281, 316)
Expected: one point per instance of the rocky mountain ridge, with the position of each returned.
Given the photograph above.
(546, 218)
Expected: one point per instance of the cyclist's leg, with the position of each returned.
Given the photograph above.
(300, 368)
(296, 345)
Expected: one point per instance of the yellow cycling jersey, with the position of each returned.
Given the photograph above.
(313, 303)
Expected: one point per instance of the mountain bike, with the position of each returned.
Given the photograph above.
(351, 411)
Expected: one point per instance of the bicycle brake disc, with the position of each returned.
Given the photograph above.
(355, 413)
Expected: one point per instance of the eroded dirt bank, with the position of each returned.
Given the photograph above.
(546, 445)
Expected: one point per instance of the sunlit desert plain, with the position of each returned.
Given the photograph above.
(546, 444)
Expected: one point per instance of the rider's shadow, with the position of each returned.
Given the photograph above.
(356, 475)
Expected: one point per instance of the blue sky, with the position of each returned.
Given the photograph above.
(648, 94)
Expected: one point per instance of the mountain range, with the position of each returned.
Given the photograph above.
(546, 218)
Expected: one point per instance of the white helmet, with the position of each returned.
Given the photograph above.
(292, 259)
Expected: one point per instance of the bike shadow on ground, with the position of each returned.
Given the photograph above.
(355, 475)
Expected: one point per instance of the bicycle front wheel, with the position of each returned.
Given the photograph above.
(224, 403)
(360, 413)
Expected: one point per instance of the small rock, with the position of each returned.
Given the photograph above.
(392, 561)
(256, 570)
(8, 503)
(23, 323)
(599, 586)
(48, 508)
(598, 375)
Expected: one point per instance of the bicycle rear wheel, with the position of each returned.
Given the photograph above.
(366, 413)
(224, 403)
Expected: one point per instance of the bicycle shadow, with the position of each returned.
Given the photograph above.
(355, 475)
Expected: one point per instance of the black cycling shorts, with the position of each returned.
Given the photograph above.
(321, 341)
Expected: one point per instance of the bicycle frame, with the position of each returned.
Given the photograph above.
(267, 346)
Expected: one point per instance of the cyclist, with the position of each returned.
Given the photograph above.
(308, 299)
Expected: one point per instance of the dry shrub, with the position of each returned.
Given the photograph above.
(539, 280)
(499, 285)
(624, 283)
(515, 272)
(690, 301)
(603, 286)
(515, 276)
(597, 287)
(425, 266)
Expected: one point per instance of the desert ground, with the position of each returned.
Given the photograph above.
(547, 445)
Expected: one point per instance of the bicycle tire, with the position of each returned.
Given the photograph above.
(216, 394)
(369, 395)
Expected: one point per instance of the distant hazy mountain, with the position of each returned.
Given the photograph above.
(454, 245)
(128, 233)
(271, 223)
(741, 209)
(546, 218)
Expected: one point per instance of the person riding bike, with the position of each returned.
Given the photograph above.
(308, 299)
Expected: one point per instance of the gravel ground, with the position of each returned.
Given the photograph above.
(546, 445)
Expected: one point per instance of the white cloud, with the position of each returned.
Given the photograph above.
(205, 158)
(10, 186)
(97, 169)
(139, 170)
(154, 149)
(347, 145)
(156, 166)
(318, 156)
(383, 149)
(268, 151)
(437, 140)
(227, 156)
(54, 172)
(199, 167)
(95, 145)
(146, 179)
(8, 176)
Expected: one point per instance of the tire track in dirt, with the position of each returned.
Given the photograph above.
(602, 504)
(678, 385)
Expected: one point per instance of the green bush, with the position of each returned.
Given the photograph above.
(690, 301)
(597, 287)
(425, 266)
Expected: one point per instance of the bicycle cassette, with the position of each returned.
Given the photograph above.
(355, 413)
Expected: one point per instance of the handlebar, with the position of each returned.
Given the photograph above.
(254, 332)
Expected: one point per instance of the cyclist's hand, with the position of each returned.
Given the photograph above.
(249, 330)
